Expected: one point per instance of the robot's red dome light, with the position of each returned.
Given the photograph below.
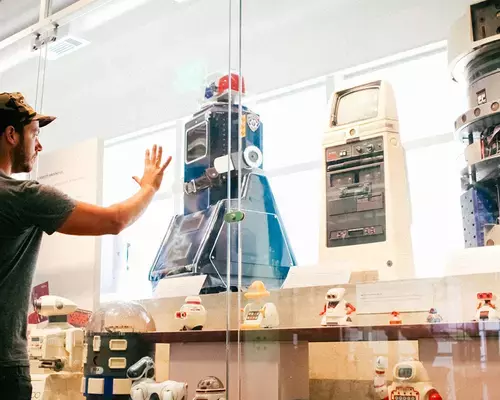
(434, 395)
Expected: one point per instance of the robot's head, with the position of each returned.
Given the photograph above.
(433, 311)
(54, 305)
(193, 300)
(144, 368)
(336, 294)
(257, 290)
(410, 371)
(485, 296)
(210, 384)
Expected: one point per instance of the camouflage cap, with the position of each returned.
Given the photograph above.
(15, 103)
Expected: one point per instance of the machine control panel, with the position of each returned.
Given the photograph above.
(355, 193)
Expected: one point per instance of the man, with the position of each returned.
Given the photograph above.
(27, 209)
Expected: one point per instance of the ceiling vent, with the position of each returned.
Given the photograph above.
(64, 46)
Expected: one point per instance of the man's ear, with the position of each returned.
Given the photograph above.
(10, 136)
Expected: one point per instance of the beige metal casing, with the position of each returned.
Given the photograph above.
(397, 249)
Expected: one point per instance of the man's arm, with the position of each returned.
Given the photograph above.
(90, 220)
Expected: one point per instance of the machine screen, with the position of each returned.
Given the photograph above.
(357, 106)
(191, 224)
(196, 142)
(405, 372)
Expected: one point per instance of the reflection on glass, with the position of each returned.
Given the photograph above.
(357, 106)
(196, 142)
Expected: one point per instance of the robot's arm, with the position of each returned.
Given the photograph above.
(324, 310)
(74, 347)
(350, 308)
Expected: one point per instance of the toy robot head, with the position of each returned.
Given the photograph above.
(144, 368)
(210, 384)
(54, 305)
(218, 85)
(380, 364)
(485, 296)
(395, 313)
(335, 295)
(193, 300)
(433, 311)
(257, 290)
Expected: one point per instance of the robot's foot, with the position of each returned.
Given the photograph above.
(197, 328)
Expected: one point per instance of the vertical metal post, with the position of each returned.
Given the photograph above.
(45, 9)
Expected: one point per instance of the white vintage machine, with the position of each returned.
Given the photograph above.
(366, 212)
(55, 345)
(146, 388)
(410, 382)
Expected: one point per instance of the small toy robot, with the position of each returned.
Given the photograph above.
(486, 310)
(210, 388)
(434, 317)
(411, 382)
(258, 315)
(146, 388)
(55, 345)
(336, 310)
(396, 319)
(193, 314)
(380, 381)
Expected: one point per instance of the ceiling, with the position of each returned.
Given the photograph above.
(147, 58)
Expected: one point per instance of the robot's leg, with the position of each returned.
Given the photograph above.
(167, 395)
(137, 394)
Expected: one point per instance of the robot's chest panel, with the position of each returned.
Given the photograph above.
(405, 393)
(253, 315)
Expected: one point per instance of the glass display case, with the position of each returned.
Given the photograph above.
(328, 227)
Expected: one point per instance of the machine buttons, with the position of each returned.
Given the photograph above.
(118, 345)
(343, 153)
(117, 363)
(370, 148)
(359, 149)
(96, 344)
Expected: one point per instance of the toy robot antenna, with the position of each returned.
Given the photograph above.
(144, 368)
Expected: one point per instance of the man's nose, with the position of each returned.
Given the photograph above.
(38, 146)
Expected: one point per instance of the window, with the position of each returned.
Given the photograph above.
(293, 127)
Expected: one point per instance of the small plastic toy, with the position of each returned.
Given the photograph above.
(434, 317)
(380, 381)
(336, 310)
(486, 310)
(411, 382)
(193, 314)
(396, 319)
(258, 315)
(210, 388)
(145, 387)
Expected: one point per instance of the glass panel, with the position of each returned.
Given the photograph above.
(17, 15)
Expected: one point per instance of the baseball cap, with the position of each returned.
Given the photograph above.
(15, 104)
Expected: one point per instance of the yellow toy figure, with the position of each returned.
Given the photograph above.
(257, 315)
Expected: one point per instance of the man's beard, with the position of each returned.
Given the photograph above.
(20, 161)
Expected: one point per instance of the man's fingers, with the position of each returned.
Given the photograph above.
(153, 156)
(158, 158)
(166, 163)
(146, 157)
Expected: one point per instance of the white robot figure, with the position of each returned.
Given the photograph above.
(336, 310)
(486, 310)
(193, 314)
(210, 388)
(396, 319)
(434, 317)
(365, 222)
(258, 314)
(410, 382)
(380, 381)
(146, 388)
(55, 345)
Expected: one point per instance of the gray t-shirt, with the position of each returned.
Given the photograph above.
(27, 209)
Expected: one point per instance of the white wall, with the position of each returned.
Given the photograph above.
(146, 66)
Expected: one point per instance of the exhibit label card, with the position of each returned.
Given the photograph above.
(402, 296)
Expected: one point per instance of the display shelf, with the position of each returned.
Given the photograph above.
(450, 331)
